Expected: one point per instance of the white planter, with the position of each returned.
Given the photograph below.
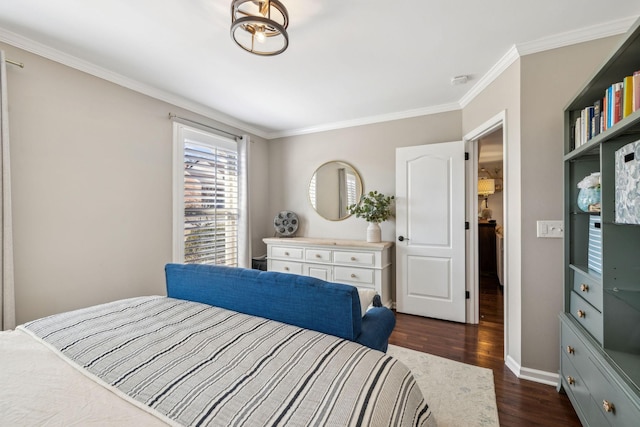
(373, 232)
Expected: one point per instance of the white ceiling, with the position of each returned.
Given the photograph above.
(349, 62)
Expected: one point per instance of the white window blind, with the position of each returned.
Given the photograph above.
(210, 199)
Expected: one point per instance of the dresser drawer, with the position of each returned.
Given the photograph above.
(575, 350)
(365, 259)
(319, 271)
(286, 267)
(285, 252)
(317, 255)
(613, 403)
(588, 288)
(577, 388)
(359, 276)
(587, 316)
(576, 363)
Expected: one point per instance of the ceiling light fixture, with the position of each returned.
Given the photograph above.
(260, 27)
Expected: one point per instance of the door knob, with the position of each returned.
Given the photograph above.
(402, 238)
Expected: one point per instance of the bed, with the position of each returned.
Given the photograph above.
(158, 360)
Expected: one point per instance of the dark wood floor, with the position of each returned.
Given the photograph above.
(520, 402)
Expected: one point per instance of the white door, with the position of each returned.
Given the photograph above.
(430, 231)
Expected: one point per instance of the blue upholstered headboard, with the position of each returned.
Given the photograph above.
(331, 308)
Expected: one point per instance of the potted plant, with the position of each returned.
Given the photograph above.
(374, 207)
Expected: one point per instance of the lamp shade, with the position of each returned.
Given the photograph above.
(486, 186)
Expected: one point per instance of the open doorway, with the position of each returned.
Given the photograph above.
(490, 236)
(488, 147)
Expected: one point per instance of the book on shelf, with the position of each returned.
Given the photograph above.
(605, 112)
(627, 96)
(597, 115)
(617, 103)
(636, 91)
(620, 100)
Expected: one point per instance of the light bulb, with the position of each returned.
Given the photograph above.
(260, 35)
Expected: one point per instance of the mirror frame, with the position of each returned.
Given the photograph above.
(358, 181)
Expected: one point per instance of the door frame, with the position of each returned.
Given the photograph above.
(473, 274)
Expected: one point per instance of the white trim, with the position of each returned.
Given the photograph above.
(471, 261)
(63, 58)
(178, 194)
(418, 112)
(512, 365)
(582, 35)
(536, 375)
(499, 67)
(543, 377)
(491, 125)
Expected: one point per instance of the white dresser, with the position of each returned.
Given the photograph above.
(354, 262)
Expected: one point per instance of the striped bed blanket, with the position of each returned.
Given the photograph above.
(194, 364)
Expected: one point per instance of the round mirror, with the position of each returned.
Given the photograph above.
(333, 187)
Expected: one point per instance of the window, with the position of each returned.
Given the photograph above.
(207, 181)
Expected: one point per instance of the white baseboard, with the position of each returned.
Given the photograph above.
(543, 377)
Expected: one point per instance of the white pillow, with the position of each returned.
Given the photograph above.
(366, 298)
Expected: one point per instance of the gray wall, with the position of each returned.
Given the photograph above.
(549, 80)
(92, 187)
(369, 149)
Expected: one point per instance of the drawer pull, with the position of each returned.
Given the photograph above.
(318, 256)
(571, 350)
(353, 276)
(581, 313)
(608, 406)
(584, 287)
(353, 258)
(571, 380)
(286, 269)
(286, 254)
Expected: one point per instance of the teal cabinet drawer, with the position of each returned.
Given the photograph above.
(575, 351)
(588, 288)
(616, 407)
(575, 387)
(575, 368)
(587, 316)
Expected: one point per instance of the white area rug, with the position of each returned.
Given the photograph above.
(458, 394)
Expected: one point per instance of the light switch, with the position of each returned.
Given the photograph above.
(550, 229)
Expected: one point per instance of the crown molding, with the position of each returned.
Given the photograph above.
(368, 120)
(494, 72)
(594, 32)
(71, 61)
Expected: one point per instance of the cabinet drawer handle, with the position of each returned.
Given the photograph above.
(318, 256)
(571, 350)
(353, 276)
(571, 380)
(584, 287)
(353, 258)
(286, 269)
(608, 406)
(286, 254)
(581, 314)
